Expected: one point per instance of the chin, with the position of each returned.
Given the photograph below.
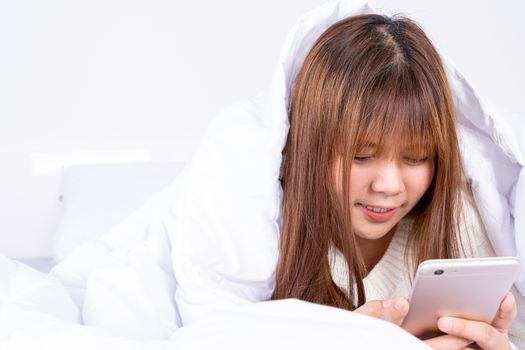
(373, 233)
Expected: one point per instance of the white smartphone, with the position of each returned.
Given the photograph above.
(467, 288)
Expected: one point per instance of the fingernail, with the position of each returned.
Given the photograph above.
(507, 305)
(387, 303)
(445, 324)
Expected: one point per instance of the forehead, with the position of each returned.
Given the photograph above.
(395, 116)
(395, 146)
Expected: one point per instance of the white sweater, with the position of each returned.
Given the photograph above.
(389, 277)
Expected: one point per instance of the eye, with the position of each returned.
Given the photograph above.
(362, 158)
(413, 161)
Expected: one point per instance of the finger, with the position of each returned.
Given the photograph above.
(482, 333)
(373, 308)
(396, 310)
(448, 342)
(506, 314)
(392, 310)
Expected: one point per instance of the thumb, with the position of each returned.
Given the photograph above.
(391, 310)
(396, 310)
(506, 314)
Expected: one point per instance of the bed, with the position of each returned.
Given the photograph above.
(131, 305)
(95, 197)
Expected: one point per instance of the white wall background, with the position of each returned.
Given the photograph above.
(122, 80)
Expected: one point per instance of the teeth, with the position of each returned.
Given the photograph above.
(377, 210)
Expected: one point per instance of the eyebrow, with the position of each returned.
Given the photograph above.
(370, 145)
(408, 148)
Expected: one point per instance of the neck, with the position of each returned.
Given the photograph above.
(373, 250)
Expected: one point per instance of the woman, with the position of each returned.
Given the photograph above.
(372, 160)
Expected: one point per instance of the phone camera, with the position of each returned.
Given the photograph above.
(438, 272)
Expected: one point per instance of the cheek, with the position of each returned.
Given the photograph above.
(360, 179)
(421, 180)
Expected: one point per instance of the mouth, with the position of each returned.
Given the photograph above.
(376, 208)
(377, 213)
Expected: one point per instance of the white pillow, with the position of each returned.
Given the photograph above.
(96, 197)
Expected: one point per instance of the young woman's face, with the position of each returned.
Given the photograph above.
(383, 189)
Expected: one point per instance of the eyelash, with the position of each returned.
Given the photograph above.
(415, 161)
(362, 159)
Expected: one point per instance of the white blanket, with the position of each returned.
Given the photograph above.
(38, 313)
(194, 267)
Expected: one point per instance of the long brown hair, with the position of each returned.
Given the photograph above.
(368, 77)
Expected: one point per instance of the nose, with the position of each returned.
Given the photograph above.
(388, 179)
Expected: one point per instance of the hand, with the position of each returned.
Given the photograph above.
(461, 333)
(391, 310)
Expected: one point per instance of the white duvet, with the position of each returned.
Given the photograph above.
(194, 268)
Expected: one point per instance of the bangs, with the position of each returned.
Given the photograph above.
(395, 115)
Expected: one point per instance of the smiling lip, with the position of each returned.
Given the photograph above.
(380, 214)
